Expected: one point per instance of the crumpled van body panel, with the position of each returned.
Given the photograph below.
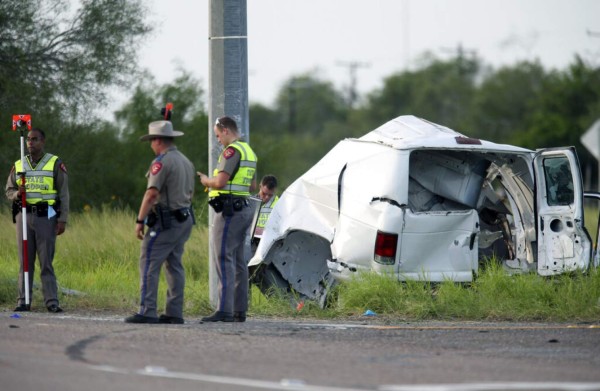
(419, 201)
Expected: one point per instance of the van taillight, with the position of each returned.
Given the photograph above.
(385, 248)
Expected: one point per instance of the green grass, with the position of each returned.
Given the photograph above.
(494, 296)
(97, 269)
(96, 265)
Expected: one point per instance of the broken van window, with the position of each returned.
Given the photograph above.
(559, 182)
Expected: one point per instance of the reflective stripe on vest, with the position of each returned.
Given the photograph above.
(265, 212)
(240, 184)
(39, 180)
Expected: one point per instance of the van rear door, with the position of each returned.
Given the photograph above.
(563, 243)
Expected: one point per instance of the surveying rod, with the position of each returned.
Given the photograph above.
(19, 121)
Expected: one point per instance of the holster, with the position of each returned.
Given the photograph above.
(151, 219)
(227, 204)
(217, 203)
(16, 209)
(164, 217)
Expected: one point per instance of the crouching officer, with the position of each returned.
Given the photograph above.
(47, 205)
(268, 198)
(231, 184)
(167, 211)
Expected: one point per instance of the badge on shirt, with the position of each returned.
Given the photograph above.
(155, 168)
(229, 152)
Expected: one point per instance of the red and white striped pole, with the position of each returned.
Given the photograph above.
(20, 120)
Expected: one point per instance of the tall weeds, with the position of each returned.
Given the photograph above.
(96, 265)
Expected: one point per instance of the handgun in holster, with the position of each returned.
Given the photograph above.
(16, 209)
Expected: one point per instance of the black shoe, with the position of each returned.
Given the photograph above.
(219, 316)
(170, 319)
(239, 316)
(23, 308)
(54, 308)
(137, 318)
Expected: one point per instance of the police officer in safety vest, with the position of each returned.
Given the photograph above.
(230, 186)
(47, 206)
(266, 193)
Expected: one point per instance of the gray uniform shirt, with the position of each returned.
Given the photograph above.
(230, 161)
(172, 174)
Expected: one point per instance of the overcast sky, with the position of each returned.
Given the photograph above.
(290, 37)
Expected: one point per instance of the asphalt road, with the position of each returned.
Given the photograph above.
(42, 351)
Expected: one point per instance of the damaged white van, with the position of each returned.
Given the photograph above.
(420, 201)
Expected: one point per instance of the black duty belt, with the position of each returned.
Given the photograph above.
(179, 212)
(228, 204)
(37, 208)
(233, 197)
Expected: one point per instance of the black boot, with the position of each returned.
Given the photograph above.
(239, 316)
(219, 316)
(23, 307)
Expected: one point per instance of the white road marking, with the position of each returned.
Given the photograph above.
(298, 384)
(283, 384)
(508, 386)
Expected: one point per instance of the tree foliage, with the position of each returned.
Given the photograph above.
(188, 116)
(53, 58)
(521, 104)
(56, 63)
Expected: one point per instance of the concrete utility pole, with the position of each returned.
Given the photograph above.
(227, 88)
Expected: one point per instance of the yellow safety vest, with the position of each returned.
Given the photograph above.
(265, 212)
(39, 180)
(239, 184)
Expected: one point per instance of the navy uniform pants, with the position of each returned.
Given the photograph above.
(163, 247)
(228, 242)
(41, 241)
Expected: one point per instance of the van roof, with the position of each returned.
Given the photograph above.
(409, 132)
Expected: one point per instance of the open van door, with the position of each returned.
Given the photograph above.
(563, 243)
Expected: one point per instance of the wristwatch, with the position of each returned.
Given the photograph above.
(138, 221)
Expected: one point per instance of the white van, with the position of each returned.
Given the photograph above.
(424, 202)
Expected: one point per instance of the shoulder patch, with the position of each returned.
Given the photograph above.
(155, 169)
(229, 152)
(63, 167)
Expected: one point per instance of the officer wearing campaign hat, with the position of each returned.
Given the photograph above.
(166, 209)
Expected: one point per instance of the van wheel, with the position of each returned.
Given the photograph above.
(269, 280)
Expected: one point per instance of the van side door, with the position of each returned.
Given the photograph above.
(563, 242)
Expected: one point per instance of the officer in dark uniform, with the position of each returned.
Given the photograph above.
(167, 211)
(232, 181)
(47, 206)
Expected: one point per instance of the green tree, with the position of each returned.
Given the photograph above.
(55, 64)
(505, 100)
(567, 105)
(189, 116)
(441, 91)
(308, 119)
(306, 104)
(51, 57)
